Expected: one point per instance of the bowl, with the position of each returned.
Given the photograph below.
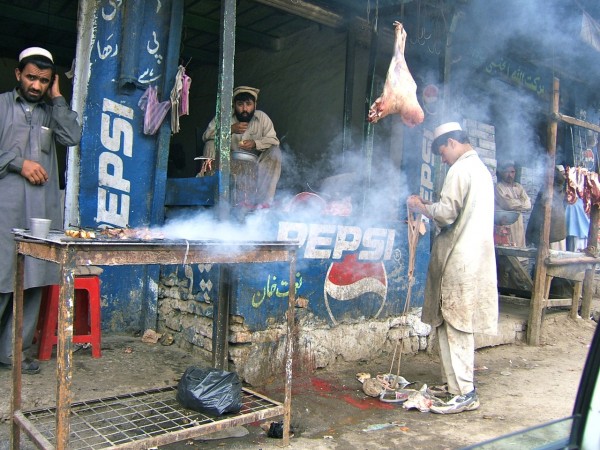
(242, 155)
(502, 217)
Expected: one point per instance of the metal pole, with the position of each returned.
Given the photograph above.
(224, 106)
(289, 352)
(368, 130)
(348, 91)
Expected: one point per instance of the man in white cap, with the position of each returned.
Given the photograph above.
(252, 131)
(461, 295)
(34, 116)
(510, 195)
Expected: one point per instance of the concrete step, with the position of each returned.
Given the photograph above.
(512, 325)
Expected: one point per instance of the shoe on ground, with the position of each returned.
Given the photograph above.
(439, 390)
(458, 404)
(28, 366)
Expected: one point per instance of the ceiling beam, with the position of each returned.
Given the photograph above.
(261, 40)
(307, 11)
(48, 20)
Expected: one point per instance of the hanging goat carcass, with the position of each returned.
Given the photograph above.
(400, 90)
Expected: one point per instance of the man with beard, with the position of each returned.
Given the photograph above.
(251, 131)
(29, 184)
(511, 196)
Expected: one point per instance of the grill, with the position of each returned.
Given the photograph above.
(151, 417)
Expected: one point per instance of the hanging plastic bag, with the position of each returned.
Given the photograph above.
(210, 390)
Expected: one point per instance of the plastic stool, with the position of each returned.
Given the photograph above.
(87, 323)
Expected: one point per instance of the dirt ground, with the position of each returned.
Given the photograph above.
(518, 386)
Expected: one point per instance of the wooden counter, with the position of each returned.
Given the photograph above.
(571, 266)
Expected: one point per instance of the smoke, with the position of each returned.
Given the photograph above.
(506, 54)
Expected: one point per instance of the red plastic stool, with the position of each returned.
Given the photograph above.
(87, 325)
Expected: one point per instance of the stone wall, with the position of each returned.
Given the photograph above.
(259, 356)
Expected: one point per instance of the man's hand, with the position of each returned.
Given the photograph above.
(248, 144)
(417, 204)
(239, 128)
(54, 90)
(34, 172)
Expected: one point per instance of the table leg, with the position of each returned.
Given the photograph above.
(15, 436)
(575, 301)
(64, 355)
(287, 403)
(588, 292)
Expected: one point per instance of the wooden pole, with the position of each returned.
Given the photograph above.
(588, 292)
(538, 302)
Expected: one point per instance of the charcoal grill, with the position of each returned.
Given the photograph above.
(107, 251)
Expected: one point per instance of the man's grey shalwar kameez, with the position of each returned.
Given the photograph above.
(28, 132)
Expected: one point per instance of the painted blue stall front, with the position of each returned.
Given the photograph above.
(345, 272)
(123, 170)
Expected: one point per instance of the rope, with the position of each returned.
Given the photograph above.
(414, 222)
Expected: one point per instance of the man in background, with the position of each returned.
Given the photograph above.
(461, 296)
(252, 131)
(511, 196)
(32, 117)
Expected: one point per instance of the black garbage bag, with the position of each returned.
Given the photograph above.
(210, 390)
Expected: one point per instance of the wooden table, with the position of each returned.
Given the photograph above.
(571, 266)
(70, 253)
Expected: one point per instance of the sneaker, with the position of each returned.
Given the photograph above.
(458, 404)
(439, 390)
(28, 366)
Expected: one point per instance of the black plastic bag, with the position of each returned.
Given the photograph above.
(210, 390)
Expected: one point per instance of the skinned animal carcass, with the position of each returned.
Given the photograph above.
(400, 90)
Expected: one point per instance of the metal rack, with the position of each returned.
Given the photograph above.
(158, 420)
(152, 416)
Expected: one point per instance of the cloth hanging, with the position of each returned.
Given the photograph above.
(154, 111)
(179, 98)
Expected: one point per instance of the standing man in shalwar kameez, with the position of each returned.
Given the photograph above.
(32, 117)
(461, 296)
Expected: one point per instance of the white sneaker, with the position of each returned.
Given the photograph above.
(460, 403)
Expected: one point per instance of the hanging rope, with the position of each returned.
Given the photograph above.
(414, 224)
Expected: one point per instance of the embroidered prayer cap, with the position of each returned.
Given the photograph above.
(35, 51)
(439, 133)
(250, 90)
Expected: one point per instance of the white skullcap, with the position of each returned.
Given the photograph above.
(35, 51)
(250, 90)
(440, 131)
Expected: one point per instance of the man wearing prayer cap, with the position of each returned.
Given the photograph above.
(251, 131)
(34, 116)
(461, 296)
(511, 196)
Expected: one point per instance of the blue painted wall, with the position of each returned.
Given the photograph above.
(375, 285)
(122, 169)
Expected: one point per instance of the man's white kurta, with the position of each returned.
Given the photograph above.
(461, 285)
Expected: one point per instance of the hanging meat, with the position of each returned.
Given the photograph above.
(400, 90)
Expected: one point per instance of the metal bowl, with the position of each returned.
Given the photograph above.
(242, 155)
(502, 217)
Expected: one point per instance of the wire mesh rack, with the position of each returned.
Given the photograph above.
(150, 417)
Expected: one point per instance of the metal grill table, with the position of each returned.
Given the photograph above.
(153, 416)
(147, 418)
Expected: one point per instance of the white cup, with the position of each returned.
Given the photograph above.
(39, 227)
